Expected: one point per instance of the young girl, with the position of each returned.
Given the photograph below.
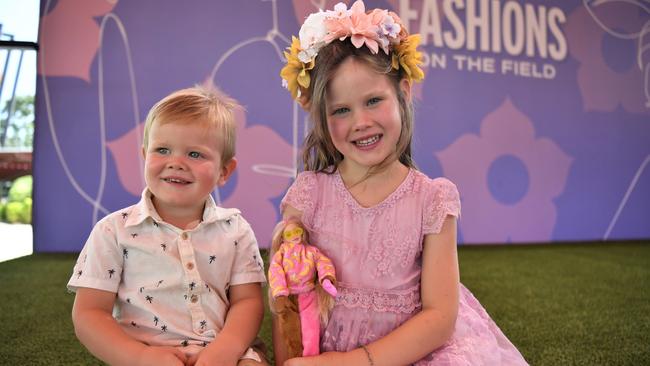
(389, 229)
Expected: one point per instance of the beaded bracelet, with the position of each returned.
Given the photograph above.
(369, 356)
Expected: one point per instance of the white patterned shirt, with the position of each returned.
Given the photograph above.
(171, 284)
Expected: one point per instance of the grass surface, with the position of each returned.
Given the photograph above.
(559, 304)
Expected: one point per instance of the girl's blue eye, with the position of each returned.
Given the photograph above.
(372, 101)
(194, 155)
(162, 150)
(340, 111)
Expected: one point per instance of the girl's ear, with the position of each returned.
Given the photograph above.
(405, 87)
(304, 102)
(226, 171)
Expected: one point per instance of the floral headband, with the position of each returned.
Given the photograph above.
(375, 29)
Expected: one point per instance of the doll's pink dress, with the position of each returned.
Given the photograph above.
(377, 255)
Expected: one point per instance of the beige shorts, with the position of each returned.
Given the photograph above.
(255, 355)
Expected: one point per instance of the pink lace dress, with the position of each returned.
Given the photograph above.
(377, 255)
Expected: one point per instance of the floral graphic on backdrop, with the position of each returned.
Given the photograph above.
(598, 34)
(72, 38)
(517, 209)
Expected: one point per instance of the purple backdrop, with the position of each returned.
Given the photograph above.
(538, 110)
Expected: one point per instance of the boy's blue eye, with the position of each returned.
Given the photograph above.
(162, 150)
(194, 155)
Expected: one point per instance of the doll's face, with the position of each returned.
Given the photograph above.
(292, 233)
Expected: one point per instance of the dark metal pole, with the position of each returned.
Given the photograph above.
(12, 106)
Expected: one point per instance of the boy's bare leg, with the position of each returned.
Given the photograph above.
(260, 348)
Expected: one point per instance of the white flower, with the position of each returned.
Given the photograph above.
(340, 11)
(313, 31)
(390, 28)
(304, 56)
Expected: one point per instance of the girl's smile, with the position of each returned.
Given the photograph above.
(363, 115)
(368, 143)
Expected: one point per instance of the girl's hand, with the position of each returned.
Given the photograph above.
(152, 355)
(329, 287)
(324, 359)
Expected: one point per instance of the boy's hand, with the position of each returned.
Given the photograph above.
(213, 356)
(156, 356)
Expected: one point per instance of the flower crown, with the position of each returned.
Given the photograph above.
(376, 29)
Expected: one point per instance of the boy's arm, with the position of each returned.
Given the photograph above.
(243, 321)
(96, 328)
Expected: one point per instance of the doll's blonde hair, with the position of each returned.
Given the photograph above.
(325, 300)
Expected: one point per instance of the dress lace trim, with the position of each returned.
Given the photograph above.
(404, 187)
(404, 301)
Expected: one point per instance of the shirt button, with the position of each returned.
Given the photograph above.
(194, 299)
(190, 265)
(184, 236)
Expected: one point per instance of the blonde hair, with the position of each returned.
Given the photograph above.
(319, 153)
(325, 300)
(207, 106)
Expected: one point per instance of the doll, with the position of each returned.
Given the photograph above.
(302, 280)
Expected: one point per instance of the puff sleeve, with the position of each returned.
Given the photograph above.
(443, 199)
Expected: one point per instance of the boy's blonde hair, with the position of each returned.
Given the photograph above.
(208, 106)
(319, 153)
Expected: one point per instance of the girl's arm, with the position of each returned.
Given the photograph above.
(427, 330)
(243, 321)
(96, 328)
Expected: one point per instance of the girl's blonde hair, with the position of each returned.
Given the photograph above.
(207, 106)
(319, 153)
(325, 300)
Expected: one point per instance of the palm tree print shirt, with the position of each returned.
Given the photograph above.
(171, 284)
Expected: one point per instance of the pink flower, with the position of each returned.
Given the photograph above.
(358, 26)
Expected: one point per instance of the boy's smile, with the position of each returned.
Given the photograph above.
(183, 166)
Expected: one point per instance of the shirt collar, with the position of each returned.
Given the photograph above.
(144, 209)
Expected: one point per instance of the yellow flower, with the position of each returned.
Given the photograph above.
(405, 54)
(295, 72)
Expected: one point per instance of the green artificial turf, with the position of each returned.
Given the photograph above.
(559, 304)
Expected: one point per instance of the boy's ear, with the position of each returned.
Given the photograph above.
(405, 87)
(144, 153)
(226, 171)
